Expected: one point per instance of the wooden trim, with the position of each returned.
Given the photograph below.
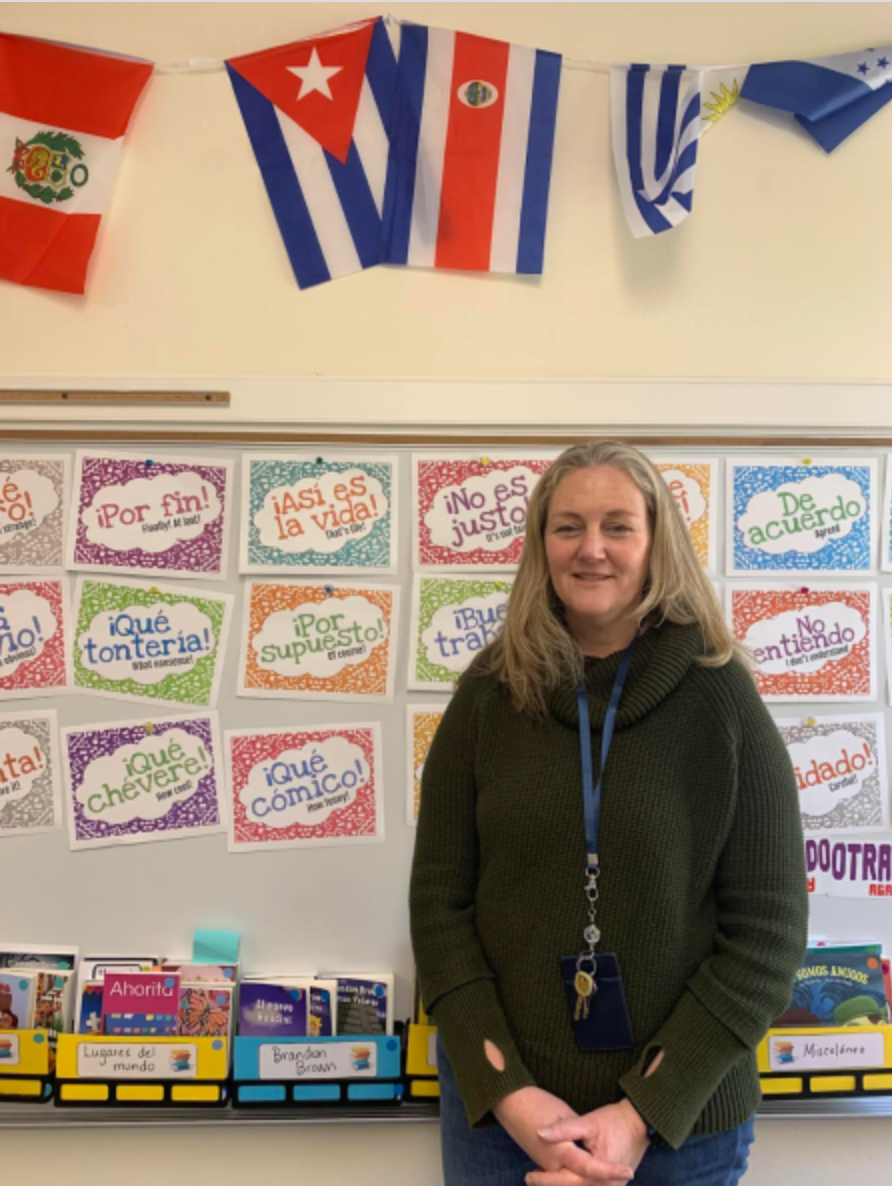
(276, 436)
(131, 398)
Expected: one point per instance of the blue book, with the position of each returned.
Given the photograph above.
(838, 986)
(268, 1010)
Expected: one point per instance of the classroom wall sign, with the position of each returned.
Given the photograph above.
(840, 768)
(469, 509)
(33, 510)
(30, 774)
(305, 788)
(422, 722)
(813, 643)
(849, 867)
(34, 625)
(693, 484)
(452, 619)
(137, 781)
(334, 514)
(150, 515)
(792, 515)
(137, 641)
(319, 641)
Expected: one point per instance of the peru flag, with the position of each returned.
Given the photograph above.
(63, 113)
(470, 153)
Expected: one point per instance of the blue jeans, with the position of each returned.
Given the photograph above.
(489, 1157)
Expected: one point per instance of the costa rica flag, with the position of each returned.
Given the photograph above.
(472, 139)
(63, 114)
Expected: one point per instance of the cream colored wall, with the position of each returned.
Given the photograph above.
(783, 272)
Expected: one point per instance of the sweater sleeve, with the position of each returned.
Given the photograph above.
(762, 915)
(457, 984)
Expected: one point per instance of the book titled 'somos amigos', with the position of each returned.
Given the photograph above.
(838, 986)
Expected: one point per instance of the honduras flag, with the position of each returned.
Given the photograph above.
(656, 124)
(830, 97)
(318, 116)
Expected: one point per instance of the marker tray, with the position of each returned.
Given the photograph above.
(27, 1060)
(174, 1072)
(309, 1072)
(821, 1062)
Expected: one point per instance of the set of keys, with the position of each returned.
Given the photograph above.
(584, 983)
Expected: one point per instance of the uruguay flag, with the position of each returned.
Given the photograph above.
(830, 97)
(471, 150)
(317, 114)
(655, 123)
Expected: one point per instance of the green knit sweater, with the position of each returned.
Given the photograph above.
(703, 889)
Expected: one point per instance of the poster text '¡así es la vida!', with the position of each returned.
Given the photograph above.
(321, 514)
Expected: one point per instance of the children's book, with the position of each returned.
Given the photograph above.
(94, 967)
(140, 1002)
(365, 1002)
(205, 1010)
(37, 955)
(203, 973)
(17, 990)
(322, 1000)
(268, 1009)
(54, 999)
(838, 986)
(88, 1017)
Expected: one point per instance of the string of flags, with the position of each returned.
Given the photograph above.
(389, 142)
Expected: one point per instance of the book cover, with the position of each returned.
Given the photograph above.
(37, 955)
(88, 1016)
(202, 973)
(272, 1010)
(140, 992)
(16, 999)
(838, 986)
(54, 999)
(205, 1010)
(94, 967)
(365, 1003)
(323, 1009)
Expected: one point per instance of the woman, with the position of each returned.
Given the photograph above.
(692, 876)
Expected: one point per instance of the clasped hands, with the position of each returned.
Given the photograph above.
(614, 1139)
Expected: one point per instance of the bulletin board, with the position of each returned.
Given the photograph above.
(344, 908)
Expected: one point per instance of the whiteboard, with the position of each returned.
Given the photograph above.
(302, 910)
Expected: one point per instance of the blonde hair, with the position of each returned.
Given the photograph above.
(535, 651)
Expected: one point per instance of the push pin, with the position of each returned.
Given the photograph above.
(319, 461)
(806, 461)
(153, 589)
(811, 722)
(149, 727)
(804, 589)
(328, 590)
(149, 462)
(485, 462)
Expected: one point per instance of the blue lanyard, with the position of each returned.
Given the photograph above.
(592, 795)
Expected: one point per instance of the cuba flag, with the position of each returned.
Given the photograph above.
(830, 97)
(317, 113)
(472, 140)
(655, 125)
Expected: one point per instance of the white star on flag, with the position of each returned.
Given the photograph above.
(314, 76)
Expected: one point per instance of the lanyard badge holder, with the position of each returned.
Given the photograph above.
(592, 980)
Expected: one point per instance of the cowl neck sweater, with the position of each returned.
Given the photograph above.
(703, 891)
